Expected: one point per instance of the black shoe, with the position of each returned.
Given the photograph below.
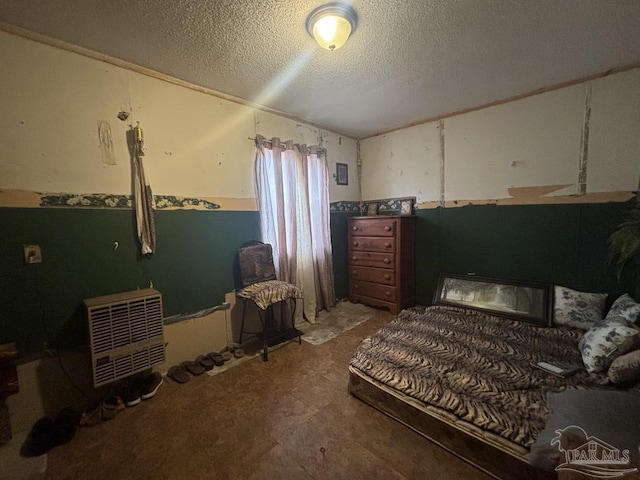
(150, 386)
(65, 425)
(40, 439)
(132, 397)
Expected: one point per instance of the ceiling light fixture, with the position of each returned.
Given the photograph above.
(331, 24)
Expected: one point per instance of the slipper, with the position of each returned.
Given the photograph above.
(205, 362)
(91, 415)
(225, 353)
(237, 350)
(111, 406)
(217, 359)
(178, 374)
(193, 368)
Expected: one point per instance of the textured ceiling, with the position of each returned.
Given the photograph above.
(408, 60)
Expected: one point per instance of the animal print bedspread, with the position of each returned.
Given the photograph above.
(474, 365)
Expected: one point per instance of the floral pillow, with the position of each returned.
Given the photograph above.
(626, 307)
(606, 341)
(577, 309)
(625, 368)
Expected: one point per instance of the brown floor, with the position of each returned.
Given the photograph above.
(288, 418)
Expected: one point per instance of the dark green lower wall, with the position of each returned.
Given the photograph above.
(559, 244)
(192, 266)
(339, 238)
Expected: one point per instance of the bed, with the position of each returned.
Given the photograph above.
(466, 379)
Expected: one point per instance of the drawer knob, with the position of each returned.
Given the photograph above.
(356, 285)
(355, 229)
(386, 260)
(387, 228)
(355, 244)
(387, 276)
(354, 258)
(387, 293)
(387, 244)
(355, 272)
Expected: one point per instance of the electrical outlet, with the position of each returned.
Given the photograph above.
(32, 254)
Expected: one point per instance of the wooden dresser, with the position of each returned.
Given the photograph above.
(382, 261)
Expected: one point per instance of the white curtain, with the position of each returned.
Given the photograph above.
(292, 187)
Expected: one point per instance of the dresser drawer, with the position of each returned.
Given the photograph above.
(372, 259)
(374, 244)
(376, 275)
(374, 227)
(373, 290)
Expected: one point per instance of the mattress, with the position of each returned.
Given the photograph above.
(470, 370)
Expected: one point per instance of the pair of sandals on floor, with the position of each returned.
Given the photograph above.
(204, 363)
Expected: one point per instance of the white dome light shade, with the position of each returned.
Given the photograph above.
(331, 32)
(331, 25)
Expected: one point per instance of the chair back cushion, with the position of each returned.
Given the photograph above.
(256, 264)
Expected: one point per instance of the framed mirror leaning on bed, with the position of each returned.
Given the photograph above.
(514, 299)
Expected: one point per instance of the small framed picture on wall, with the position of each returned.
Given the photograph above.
(342, 174)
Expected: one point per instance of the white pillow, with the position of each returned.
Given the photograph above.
(606, 341)
(626, 307)
(625, 368)
(577, 309)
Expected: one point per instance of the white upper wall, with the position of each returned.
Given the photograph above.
(402, 164)
(197, 144)
(532, 142)
(614, 138)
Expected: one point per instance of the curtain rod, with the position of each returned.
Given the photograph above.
(269, 142)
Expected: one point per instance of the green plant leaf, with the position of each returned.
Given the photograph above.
(624, 243)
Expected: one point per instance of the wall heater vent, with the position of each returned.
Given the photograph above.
(126, 334)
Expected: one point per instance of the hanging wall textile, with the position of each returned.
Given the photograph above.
(143, 197)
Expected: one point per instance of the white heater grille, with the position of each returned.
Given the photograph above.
(126, 334)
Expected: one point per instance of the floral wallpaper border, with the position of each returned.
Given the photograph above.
(121, 201)
(345, 206)
(389, 206)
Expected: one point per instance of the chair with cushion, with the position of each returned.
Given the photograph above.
(258, 284)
